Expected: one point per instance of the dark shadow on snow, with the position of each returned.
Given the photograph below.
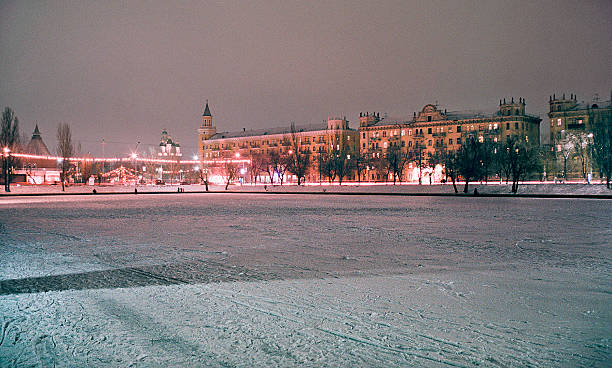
(171, 274)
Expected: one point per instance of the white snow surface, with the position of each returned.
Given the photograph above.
(244, 280)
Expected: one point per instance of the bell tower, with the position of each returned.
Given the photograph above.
(206, 130)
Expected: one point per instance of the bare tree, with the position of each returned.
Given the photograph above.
(583, 145)
(298, 158)
(88, 168)
(360, 163)
(396, 160)
(256, 165)
(564, 145)
(343, 164)
(65, 150)
(524, 159)
(276, 165)
(501, 159)
(469, 163)
(451, 167)
(602, 147)
(9, 141)
(436, 158)
(419, 156)
(327, 165)
(231, 173)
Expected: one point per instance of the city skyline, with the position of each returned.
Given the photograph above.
(125, 72)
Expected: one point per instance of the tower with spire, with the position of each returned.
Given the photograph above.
(206, 130)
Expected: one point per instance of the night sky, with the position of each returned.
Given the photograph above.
(124, 71)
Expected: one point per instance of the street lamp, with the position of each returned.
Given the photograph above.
(7, 181)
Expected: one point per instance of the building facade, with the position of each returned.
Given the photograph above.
(572, 124)
(434, 129)
(569, 115)
(427, 131)
(314, 140)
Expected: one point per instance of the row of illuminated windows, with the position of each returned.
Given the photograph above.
(570, 121)
(431, 130)
(284, 141)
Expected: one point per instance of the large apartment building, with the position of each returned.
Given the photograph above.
(430, 129)
(569, 115)
(314, 139)
(434, 129)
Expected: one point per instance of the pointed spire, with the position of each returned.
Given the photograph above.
(207, 110)
(36, 131)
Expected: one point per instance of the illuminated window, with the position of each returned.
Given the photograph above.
(527, 139)
(558, 122)
(409, 131)
(495, 126)
(480, 139)
(385, 145)
(490, 126)
(579, 121)
(403, 132)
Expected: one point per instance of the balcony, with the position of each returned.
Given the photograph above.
(575, 126)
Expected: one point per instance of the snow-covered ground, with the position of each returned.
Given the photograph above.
(488, 188)
(298, 280)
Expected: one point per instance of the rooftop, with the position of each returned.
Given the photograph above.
(270, 131)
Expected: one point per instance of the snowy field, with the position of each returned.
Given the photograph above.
(246, 280)
(490, 188)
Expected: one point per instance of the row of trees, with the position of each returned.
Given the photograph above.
(583, 152)
(474, 160)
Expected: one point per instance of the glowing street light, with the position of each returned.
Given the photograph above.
(290, 152)
(195, 157)
(237, 154)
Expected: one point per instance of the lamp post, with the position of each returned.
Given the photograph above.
(6, 152)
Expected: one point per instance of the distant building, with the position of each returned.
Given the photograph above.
(314, 139)
(433, 129)
(36, 146)
(168, 148)
(571, 124)
(569, 115)
(37, 170)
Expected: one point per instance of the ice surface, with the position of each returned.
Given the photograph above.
(299, 280)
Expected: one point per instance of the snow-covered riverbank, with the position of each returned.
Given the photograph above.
(492, 188)
(243, 280)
